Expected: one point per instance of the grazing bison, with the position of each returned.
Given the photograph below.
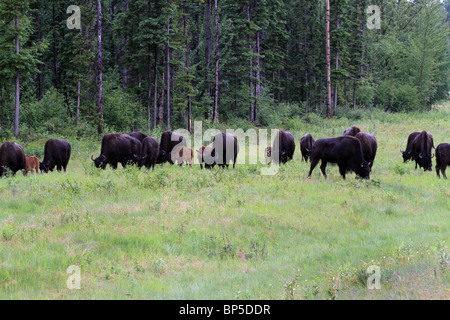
(442, 158)
(224, 149)
(204, 156)
(170, 142)
(352, 131)
(56, 153)
(306, 144)
(117, 148)
(283, 147)
(149, 153)
(12, 157)
(184, 154)
(346, 151)
(32, 162)
(138, 135)
(268, 155)
(407, 154)
(421, 150)
(369, 146)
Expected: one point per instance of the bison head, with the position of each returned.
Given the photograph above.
(98, 162)
(45, 166)
(162, 157)
(425, 161)
(364, 170)
(2, 170)
(406, 156)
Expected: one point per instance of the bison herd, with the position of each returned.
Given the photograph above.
(354, 151)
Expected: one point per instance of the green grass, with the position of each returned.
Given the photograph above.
(186, 233)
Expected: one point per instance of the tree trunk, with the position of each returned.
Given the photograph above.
(216, 90)
(168, 71)
(39, 66)
(17, 78)
(305, 41)
(337, 68)
(327, 40)
(149, 73)
(55, 64)
(251, 69)
(155, 90)
(208, 46)
(258, 75)
(188, 70)
(99, 67)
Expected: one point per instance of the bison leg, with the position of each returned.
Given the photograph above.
(342, 171)
(313, 165)
(323, 167)
(443, 167)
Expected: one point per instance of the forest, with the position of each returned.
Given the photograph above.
(113, 65)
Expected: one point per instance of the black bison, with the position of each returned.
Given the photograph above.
(346, 151)
(407, 154)
(149, 153)
(421, 150)
(12, 157)
(352, 131)
(283, 147)
(56, 153)
(138, 135)
(170, 142)
(306, 144)
(442, 158)
(225, 148)
(204, 156)
(369, 146)
(117, 148)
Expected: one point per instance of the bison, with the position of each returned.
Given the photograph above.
(56, 153)
(306, 144)
(268, 155)
(369, 146)
(184, 154)
(204, 156)
(346, 151)
(407, 154)
(352, 131)
(421, 150)
(283, 147)
(225, 148)
(117, 148)
(442, 158)
(170, 142)
(149, 153)
(12, 157)
(31, 162)
(138, 135)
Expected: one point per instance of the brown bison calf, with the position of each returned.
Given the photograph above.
(31, 162)
(185, 154)
(268, 155)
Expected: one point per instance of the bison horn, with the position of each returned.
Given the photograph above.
(420, 156)
(92, 158)
(432, 156)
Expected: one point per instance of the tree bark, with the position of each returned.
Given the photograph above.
(168, 71)
(208, 46)
(216, 90)
(17, 78)
(99, 67)
(328, 60)
(149, 74)
(251, 69)
(337, 68)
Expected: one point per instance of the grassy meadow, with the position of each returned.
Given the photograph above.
(186, 233)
